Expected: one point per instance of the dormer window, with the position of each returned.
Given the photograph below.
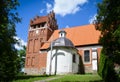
(62, 33)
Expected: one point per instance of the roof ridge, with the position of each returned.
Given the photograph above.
(74, 27)
(79, 35)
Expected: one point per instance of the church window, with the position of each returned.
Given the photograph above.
(86, 56)
(74, 58)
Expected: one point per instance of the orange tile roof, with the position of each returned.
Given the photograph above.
(80, 35)
(38, 20)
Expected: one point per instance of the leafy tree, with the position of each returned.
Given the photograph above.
(108, 22)
(8, 53)
(106, 69)
(21, 57)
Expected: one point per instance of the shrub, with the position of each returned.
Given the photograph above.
(106, 69)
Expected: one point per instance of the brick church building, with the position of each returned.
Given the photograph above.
(44, 29)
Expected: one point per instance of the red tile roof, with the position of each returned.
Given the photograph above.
(80, 35)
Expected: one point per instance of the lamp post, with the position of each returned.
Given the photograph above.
(51, 47)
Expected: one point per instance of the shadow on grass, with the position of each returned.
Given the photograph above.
(97, 81)
(19, 77)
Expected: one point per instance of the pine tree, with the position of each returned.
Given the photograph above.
(8, 53)
(108, 22)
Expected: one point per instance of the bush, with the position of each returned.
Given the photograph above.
(102, 63)
(106, 69)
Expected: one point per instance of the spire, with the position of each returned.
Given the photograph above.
(62, 33)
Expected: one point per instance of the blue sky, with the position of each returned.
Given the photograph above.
(69, 13)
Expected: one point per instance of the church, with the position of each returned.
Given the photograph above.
(61, 51)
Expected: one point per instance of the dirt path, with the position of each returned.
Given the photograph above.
(49, 79)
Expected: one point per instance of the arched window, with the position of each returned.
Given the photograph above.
(74, 58)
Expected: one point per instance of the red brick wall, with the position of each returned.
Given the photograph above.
(88, 66)
(35, 59)
(36, 36)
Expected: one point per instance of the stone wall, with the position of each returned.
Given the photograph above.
(35, 71)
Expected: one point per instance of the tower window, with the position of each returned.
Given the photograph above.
(42, 24)
(34, 27)
(38, 26)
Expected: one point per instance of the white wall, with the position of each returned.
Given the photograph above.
(64, 61)
(75, 65)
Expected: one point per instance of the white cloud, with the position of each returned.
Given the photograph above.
(21, 43)
(67, 26)
(49, 7)
(92, 18)
(42, 10)
(64, 7)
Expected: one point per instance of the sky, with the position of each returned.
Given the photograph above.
(69, 13)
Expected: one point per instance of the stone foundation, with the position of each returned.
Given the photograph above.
(88, 69)
(35, 71)
(42, 71)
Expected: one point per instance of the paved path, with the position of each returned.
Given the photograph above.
(49, 79)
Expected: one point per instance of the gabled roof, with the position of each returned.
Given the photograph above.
(79, 35)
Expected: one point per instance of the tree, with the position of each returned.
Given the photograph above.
(106, 69)
(8, 53)
(21, 57)
(108, 22)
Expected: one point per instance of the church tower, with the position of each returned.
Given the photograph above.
(41, 28)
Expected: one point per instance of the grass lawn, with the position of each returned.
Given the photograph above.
(64, 78)
(79, 78)
(31, 78)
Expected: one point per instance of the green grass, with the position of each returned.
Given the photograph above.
(64, 78)
(79, 78)
(31, 78)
